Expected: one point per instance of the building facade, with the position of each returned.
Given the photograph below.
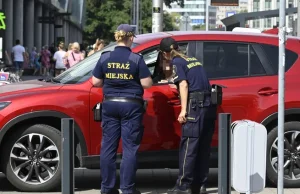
(226, 11)
(264, 5)
(62, 18)
(196, 10)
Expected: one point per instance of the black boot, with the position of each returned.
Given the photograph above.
(175, 190)
(136, 192)
(112, 191)
(203, 189)
(198, 189)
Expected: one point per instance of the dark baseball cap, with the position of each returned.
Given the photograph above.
(166, 44)
(127, 29)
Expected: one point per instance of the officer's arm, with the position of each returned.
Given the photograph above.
(97, 82)
(144, 74)
(183, 88)
(180, 80)
(97, 79)
(146, 82)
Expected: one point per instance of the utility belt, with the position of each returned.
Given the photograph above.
(98, 108)
(216, 95)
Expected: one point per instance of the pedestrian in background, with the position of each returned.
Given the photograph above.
(99, 45)
(59, 59)
(37, 64)
(70, 46)
(123, 109)
(18, 57)
(26, 59)
(45, 58)
(32, 56)
(197, 117)
(73, 56)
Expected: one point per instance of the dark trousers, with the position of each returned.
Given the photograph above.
(195, 145)
(120, 120)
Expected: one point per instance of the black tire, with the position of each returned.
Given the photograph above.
(54, 137)
(272, 176)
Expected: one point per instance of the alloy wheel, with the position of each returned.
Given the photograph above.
(34, 158)
(291, 155)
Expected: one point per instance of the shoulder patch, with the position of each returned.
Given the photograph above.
(105, 52)
(104, 55)
(134, 57)
(138, 54)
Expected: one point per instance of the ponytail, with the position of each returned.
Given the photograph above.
(122, 36)
(177, 53)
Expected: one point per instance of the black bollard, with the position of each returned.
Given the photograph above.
(67, 183)
(224, 154)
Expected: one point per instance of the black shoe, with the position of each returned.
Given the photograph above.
(136, 192)
(113, 191)
(203, 189)
(175, 190)
(198, 189)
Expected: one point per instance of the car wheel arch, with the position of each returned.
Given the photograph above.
(44, 114)
(270, 121)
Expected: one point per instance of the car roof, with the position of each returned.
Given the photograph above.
(143, 38)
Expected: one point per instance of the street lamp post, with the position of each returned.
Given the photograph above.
(207, 15)
(186, 20)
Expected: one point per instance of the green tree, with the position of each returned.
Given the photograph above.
(103, 17)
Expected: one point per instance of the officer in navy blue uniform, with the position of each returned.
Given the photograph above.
(197, 117)
(123, 76)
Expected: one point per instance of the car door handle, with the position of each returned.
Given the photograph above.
(267, 92)
(174, 102)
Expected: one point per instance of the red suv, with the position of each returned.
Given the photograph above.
(247, 64)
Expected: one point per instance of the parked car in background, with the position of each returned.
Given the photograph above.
(246, 63)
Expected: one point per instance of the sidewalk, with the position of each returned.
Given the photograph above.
(152, 181)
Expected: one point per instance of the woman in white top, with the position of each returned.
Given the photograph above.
(59, 59)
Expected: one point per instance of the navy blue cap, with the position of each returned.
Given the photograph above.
(167, 44)
(127, 29)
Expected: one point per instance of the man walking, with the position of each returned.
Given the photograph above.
(18, 56)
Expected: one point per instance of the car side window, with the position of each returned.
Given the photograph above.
(150, 55)
(150, 58)
(225, 60)
(272, 54)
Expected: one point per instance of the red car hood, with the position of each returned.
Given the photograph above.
(28, 86)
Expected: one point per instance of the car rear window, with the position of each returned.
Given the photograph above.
(272, 54)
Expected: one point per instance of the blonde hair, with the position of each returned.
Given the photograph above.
(70, 46)
(177, 53)
(122, 36)
(76, 45)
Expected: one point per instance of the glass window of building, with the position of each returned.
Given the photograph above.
(268, 4)
(255, 5)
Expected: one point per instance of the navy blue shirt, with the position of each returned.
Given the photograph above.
(191, 70)
(121, 71)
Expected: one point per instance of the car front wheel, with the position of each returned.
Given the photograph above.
(32, 159)
(291, 155)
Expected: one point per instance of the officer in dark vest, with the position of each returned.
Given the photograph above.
(123, 76)
(197, 117)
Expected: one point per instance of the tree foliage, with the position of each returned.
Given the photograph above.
(104, 16)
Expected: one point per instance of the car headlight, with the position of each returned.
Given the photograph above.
(4, 105)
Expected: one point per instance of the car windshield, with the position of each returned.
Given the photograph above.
(82, 71)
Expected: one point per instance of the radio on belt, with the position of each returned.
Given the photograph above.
(217, 94)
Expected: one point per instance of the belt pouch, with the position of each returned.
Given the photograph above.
(145, 105)
(98, 112)
(216, 95)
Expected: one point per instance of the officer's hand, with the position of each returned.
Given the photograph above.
(181, 117)
(163, 81)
